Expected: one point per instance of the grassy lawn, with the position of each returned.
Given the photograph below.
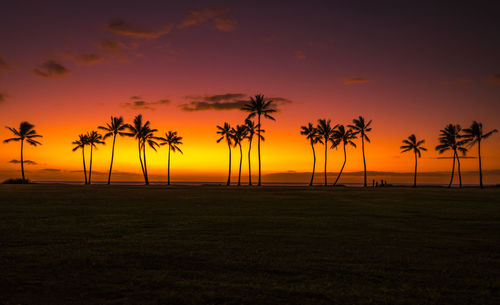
(272, 245)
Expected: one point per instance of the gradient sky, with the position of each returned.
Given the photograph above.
(67, 66)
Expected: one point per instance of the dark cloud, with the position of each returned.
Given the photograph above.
(85, 59)
(219, 17)
(50, 69)
(3, 65)
(136, 102)
(228, 101)
(494, 78)
(122, 27)
(25, 162)
(3, 96)
(52, 170)
(355, 80)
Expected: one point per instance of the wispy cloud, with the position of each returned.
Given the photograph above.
(463, 82)
(51, 69)
(51, 170)
(3, 65)
(355, 80)
(300, 54)
(125, 28)
(136, 102)
(218, 102)
(25, 162)
(494, 78)
(219, 16)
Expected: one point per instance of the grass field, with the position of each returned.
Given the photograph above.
(272, 245)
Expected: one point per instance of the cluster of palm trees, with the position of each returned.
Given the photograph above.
(141, 131)
(456, 140)
(452, 138)
(334, 136)
(259, 107)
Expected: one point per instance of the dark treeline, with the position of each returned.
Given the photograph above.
(452, 139)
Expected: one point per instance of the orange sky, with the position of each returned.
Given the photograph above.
(398, 70)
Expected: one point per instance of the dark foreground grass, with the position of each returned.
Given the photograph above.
(276, 245)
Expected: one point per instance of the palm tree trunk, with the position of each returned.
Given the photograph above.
(229, 175)
(480, 167)
(314, 164)
(363, 150)
(140, 160)
(258, 149)
(326, 155)
(168, 175)
(84, 169)
(241, 160)
(22, 160)
(459, 172)
(145, 165)
(112, 157)
(90, 167)
(452, 171)
(249, 164)
(415, 177)
(340, 173)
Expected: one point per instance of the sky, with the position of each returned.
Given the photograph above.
(412, 68)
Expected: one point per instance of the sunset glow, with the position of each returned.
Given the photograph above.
(182, 65)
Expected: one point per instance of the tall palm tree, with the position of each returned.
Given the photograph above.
(173, 141)
(137, 130)
(416, 146)
(258, 106)
(239, 134)
(325, 131)
(362, 128)
(473, 135)
(148, 138)
(80, 144)
(251, 130)
(114, 128)
(225, 133)
(450, 140)
(26, 132)
(93, 138)
(312, 135)
(346, 137)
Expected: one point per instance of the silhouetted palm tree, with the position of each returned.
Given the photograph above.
(26, 132)
(80, 144)
(225, 133)
(362, 128)
(312, 135)
(450, 140)
(148, 138)
(412, 144)
(138, 130)
(258, 106)
(173, 141)
(325, 131)
(114, 128)
(346, 137)
(251, 130)
(474, 134)
(93, 138)
(239, 134)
